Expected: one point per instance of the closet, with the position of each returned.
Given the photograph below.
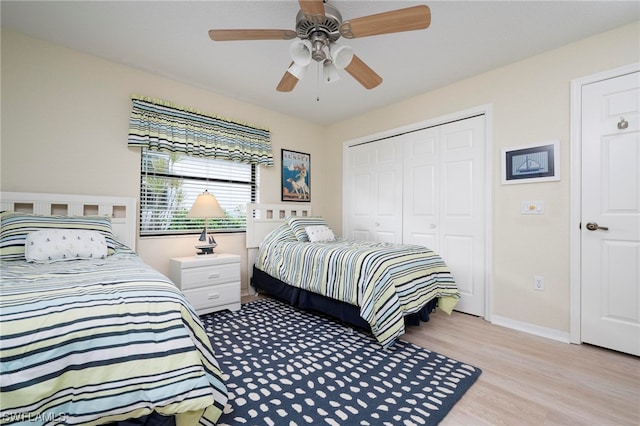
(426, 187)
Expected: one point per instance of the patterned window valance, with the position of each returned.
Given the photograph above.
(163, 126)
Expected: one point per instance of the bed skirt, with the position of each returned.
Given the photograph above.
(153, 419)
(303, 299)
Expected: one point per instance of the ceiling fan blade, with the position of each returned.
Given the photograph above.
(395, 21)
(361, 72)
(230, 35)
(288, 82)
(312, 7)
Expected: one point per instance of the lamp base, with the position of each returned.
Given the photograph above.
(206, 249)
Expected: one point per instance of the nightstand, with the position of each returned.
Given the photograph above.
(210, 282)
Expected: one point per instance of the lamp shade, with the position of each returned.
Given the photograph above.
(301, 52)
(297, 70)
(341, 55)
(206, 206)
(330, 72)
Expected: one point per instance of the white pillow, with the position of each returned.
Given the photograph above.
(319, 233)
(53, 245)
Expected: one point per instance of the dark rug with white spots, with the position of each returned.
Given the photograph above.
(284, 366)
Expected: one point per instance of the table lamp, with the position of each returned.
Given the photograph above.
(204, 207)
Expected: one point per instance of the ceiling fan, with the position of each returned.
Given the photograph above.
(318, 27)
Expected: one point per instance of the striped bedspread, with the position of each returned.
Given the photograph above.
(386, 281)
(96, 341)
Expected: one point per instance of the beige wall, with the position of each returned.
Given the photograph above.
(531, 103)
(64, 129)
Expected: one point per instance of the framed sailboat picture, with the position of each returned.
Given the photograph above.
(531, 163)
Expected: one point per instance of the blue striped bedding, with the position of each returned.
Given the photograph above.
(95, 341)
(386, 281)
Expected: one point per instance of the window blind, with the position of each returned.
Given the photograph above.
(170, 183)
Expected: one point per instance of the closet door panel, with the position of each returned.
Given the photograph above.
(458, 250)
(462, 225)
(458, 189)
(360, 200)
(374, 199)
(421, 189)
(388, 210)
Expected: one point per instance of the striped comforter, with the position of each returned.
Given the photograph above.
(386, 281)
(95, 341)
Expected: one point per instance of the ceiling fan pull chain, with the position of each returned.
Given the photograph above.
(318, 82)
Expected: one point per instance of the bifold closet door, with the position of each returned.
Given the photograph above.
(374, 192)
(425, 187)
(445, 201)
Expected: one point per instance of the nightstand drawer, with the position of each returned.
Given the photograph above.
(209, 276)
(208, 297)
(210, 282)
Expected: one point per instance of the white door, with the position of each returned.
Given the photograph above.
(374, 196)
(610, 222)
(421, 188)
(444, 201)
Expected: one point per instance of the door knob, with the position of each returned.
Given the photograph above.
(592, 226)
(623, 124)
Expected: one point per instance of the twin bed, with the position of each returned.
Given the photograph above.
(377, 286)
(90, 334)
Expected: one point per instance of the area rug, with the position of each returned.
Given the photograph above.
(284, 366)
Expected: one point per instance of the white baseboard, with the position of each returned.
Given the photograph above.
(549, 333)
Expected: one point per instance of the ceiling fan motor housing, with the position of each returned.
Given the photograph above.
(307, 25)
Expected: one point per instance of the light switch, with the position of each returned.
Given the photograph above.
(532, 207)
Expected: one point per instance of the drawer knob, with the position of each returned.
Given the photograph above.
(214, 296)
(214, 275)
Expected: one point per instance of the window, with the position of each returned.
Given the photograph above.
(170, 183)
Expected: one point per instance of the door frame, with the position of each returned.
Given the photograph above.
(575, 212)
(487, 111)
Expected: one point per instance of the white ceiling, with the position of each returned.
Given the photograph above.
(169, 38)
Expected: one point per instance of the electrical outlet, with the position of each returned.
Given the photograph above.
(538, 283)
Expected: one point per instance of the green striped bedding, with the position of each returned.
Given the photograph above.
(386, 281)
(94, 341)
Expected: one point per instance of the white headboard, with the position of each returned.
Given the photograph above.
(121, 209)
(264, 218)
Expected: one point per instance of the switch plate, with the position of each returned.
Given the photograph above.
(532, 207)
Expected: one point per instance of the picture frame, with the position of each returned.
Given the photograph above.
(296, 176)
(539, 162)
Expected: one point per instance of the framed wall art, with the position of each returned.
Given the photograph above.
(296, 176)
(531, 163)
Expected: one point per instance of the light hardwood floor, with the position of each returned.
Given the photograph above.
(530, 380)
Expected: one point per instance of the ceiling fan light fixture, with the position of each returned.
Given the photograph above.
(297, 70)
(330, 72)
(341, 55)
(301, 52)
